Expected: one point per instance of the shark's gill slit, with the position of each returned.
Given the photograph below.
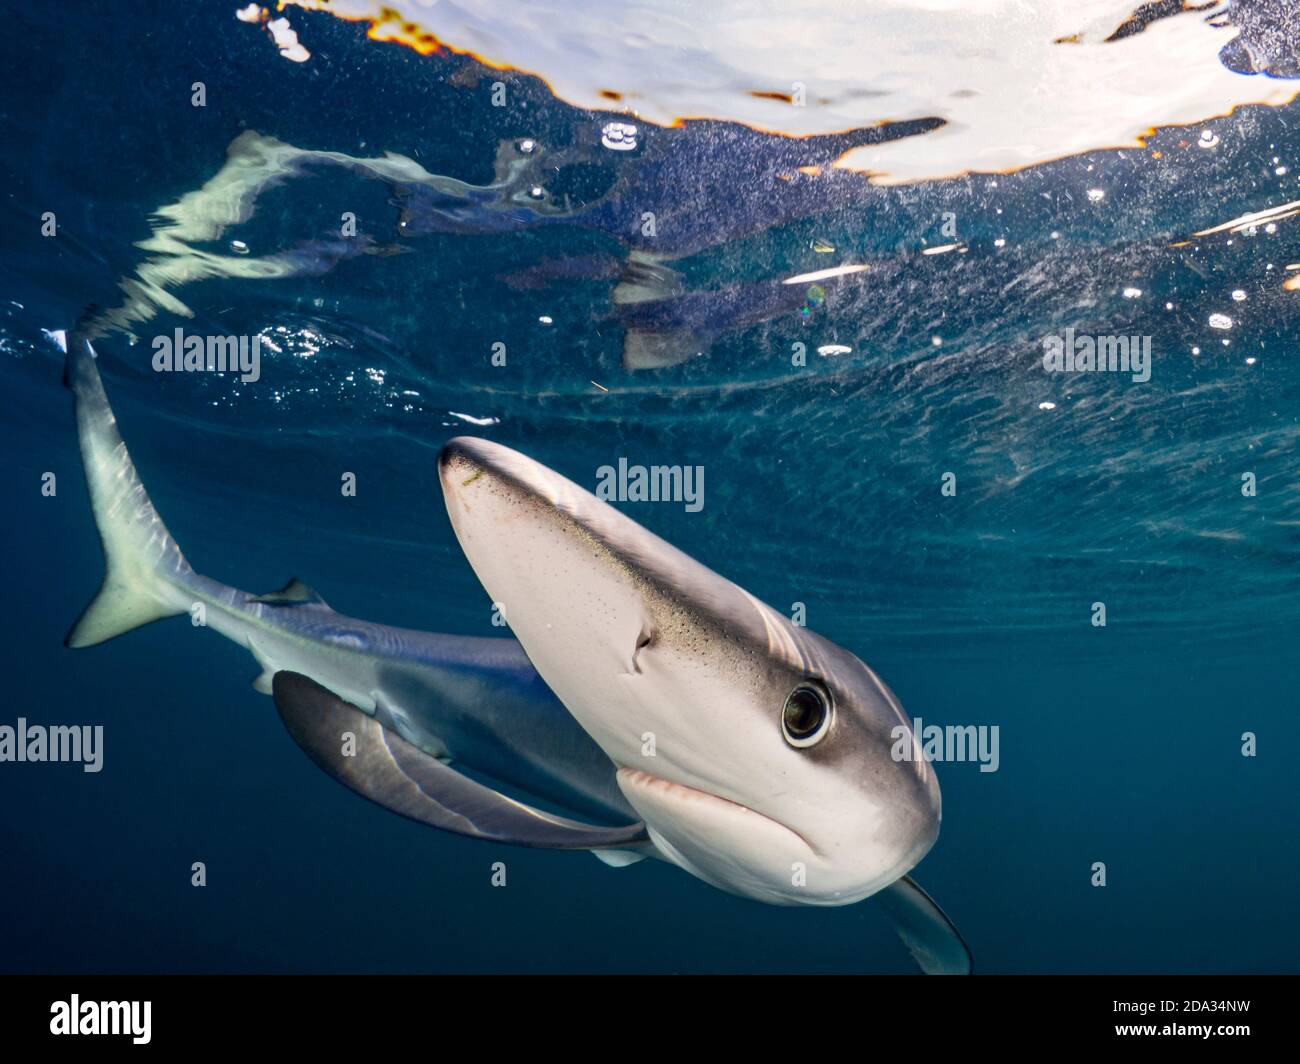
(644, 639)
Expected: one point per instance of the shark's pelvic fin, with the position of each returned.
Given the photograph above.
(364, 756)
(139, 552)
(930, 937)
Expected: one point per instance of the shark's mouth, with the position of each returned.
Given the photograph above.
(665, 792)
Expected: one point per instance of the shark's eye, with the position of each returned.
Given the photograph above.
(807, 714)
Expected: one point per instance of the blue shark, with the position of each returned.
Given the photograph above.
(665, 710)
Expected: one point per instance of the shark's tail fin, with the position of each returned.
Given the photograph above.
(141, 560)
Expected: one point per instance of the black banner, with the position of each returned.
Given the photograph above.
(382, 1013)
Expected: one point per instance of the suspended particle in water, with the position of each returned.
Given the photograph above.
(1132, 293)
(1238, 295)
(537, 192)
(816, 295)
(1208, 139)
(1096, 195)
(1220, 321)
(239, 247)
(527, 146)
(822, 247)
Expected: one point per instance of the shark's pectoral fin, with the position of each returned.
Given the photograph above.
(925, 929)
(619, 858)
(358, 752)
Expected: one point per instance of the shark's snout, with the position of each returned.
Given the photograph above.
(686, 682)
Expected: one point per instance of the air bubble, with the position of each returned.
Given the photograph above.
(619, 136)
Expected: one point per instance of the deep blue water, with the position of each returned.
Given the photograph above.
(1119, 744)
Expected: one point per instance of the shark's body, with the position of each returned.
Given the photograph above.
(415, 704)
(462, 698)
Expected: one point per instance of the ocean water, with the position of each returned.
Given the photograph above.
(518, 226)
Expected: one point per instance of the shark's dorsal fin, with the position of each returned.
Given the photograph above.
(294, 593)
(376, 763)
